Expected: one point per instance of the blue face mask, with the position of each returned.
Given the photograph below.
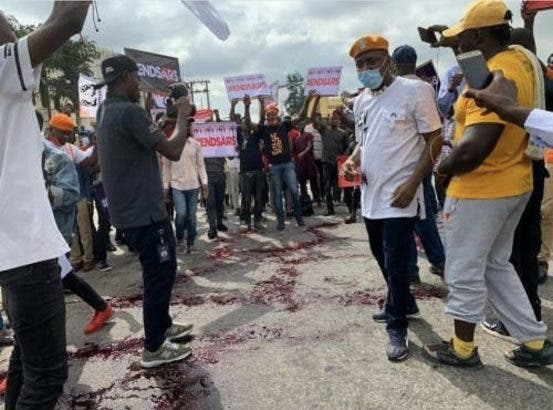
(372, 79)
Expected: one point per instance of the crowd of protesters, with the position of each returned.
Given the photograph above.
(426, 158)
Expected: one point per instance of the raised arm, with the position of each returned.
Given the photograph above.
(232, 114)
(303, 111)
(66, 20)
(247, 116)
(172, 148)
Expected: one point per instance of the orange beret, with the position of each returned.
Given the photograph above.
(62, 122)
(367, 43)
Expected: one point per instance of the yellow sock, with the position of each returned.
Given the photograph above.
(462, 349)
(535, 344)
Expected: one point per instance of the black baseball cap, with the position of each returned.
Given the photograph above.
(404, 55)
(114, 67)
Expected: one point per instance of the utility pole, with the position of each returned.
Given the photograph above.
(199, 86)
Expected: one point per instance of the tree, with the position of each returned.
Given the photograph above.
(295, 93)
(60, 73)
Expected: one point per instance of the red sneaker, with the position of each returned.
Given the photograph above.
(98, 320)
(3, 385)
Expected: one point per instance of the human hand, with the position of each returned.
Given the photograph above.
(205, 192)
(500, 94)
(247, 100)
(404, 195)
(348, 169)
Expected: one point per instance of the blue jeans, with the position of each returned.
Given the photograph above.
(158, 277)
(34, 302)
(186, 205)
(389, 241)
(427, 230)
(285, 174)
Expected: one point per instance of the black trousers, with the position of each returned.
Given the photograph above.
(527, 240)
(101, 237)
(352, 198)
(82, 289)
(216, 183)
(158, 277)
(331, 183)
(320, 179)
(34, 302)
(252, 184)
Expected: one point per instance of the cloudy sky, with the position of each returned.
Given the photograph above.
(270, 37)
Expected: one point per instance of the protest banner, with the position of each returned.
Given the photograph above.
(156, 72)
(203, 115)
(537, 5)
(218, 139)
(342, 181)
(324, 80)
(428, 73)
(89, 98)
(253, 85)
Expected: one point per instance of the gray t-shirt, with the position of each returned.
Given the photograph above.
(335, 143)
(129, 163)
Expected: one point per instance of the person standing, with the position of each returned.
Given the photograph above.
(491, 183)
(398, 131)
(186, 178)
(31, 242)
(216, 181)
(318, 155)
(127, 146)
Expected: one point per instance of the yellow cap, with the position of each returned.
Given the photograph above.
(481, 13)
(367, 43)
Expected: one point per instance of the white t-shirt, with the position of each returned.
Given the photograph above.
(388, 126)
(317, 141)
(28, 231)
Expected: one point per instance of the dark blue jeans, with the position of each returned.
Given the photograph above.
(427, 230)
(186, 205)
(34, 302)
(389, 241)
(158, 278)
(285, 174)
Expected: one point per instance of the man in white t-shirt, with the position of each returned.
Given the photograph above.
(397, 126)
(31, 241)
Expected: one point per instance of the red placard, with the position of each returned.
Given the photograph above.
(203, 115)
(342, 181)
(537, 5)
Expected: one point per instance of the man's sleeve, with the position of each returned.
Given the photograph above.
(17, 76)
(426, 112)
(540, 124)
(141, 126)
(200, 163)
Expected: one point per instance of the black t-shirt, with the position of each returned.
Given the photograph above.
(276, 142)
(249, 152)
(129, 164)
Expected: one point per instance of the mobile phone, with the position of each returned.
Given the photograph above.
(475, 70)
(427, 36)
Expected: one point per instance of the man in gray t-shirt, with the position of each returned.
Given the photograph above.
(128, 143)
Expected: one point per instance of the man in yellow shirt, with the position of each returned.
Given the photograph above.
(491, 181)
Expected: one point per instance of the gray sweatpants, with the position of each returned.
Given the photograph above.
(479, 241)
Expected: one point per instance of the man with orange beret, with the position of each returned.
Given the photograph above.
(398, 133)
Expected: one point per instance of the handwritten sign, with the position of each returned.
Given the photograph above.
(342, 181)
(324, 80)
(253, 85)
(89, 98)
(218, 139)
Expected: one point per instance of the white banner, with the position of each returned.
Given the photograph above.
(89, 98)
(218, 139)
(254, 85)
(324, 80)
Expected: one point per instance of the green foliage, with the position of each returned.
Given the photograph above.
(60, 72)
(295, 93)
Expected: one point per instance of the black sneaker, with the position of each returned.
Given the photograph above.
(381, 316)
(350, 220)
(222, 228)
(111, 247)
(445, 354)
(398, 345)
(497, 329)
(434, 270)
(280, 225)
(212, 234)
(300, 222)
(104, 266)
(525, 357)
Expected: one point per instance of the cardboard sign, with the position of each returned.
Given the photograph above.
(89, 98)
(156, 72)
(253, 85)
(324, 80)
(218, 139)
(428, 73)
(342, 181)
(537, 5)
